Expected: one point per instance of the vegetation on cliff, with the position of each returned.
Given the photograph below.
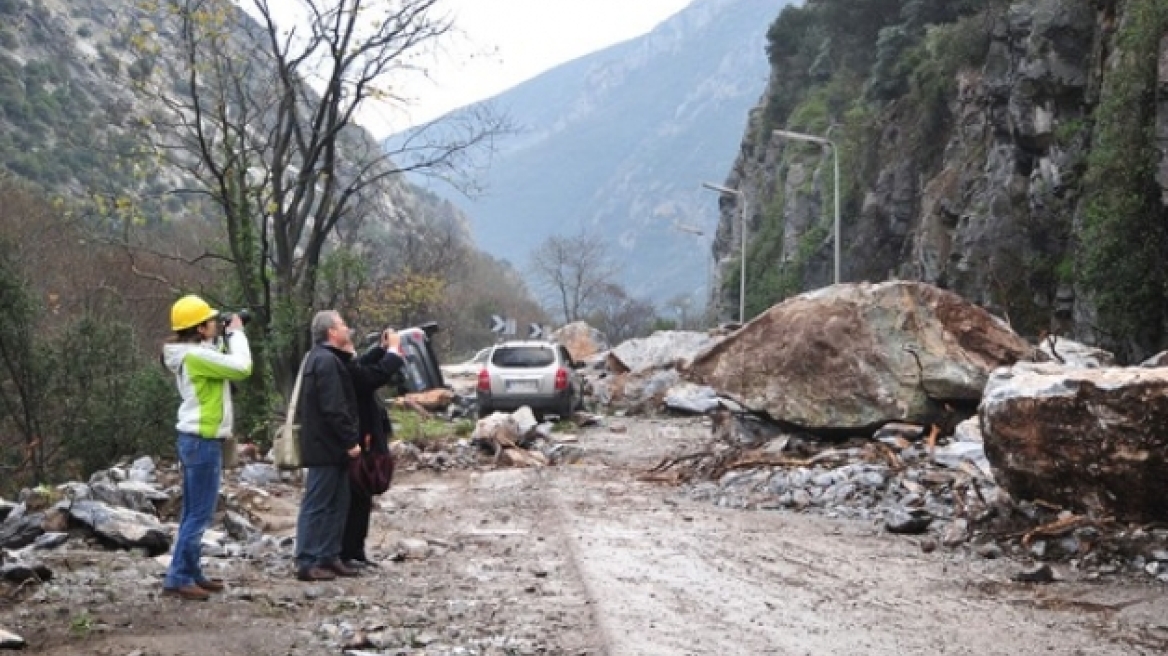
(1124, 239)
(1077, 210)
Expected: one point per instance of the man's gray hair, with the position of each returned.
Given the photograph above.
(321, 323)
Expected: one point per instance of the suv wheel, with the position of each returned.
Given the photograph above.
(564, 410)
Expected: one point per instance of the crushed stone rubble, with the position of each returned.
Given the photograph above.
(906, 481)
(80, 543)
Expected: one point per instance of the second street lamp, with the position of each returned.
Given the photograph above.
(708, 286)
(824, 141)
(741, 274)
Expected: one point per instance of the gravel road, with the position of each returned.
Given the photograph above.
(585, 559)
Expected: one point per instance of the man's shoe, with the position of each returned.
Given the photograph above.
(315, 574)
(342, 569)
(211, 585)
(187, 592)
(359, 563)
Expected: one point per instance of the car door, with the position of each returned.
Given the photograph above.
(421, 369)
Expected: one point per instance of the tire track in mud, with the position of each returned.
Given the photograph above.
(561, 521)
(671, 576)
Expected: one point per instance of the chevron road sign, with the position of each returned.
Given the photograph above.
(534, 331)
(502, 325)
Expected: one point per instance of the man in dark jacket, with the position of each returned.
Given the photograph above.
(376, 368)
(329, 437)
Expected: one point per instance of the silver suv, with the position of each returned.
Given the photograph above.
(540, 375)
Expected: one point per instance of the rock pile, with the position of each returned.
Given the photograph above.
(518, 440)
(907, 480)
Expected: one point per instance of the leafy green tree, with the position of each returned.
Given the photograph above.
(108, 400)
(23, 374)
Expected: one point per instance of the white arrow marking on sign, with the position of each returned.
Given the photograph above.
(498, 325)
(535, 331)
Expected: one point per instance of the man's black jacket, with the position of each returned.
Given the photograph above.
(327, 408)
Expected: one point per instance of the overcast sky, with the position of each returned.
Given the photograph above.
(501, 43)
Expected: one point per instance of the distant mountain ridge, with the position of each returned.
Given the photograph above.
(618, 142)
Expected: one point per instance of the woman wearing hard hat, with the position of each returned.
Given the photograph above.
(202, 372)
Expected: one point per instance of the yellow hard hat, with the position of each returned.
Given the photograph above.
(190, 311)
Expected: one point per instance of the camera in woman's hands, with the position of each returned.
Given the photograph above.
(226, 318)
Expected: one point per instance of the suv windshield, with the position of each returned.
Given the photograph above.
(523, 356)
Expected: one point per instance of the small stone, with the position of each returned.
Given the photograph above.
(10, 640)
(1040, 574)
(411, 549)
(928, 545)
(907, 522)
(1152, 568)
(956, 533)
(1160, 554)
(360, 640)
(989, 551)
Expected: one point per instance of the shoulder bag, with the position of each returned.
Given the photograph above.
(286, 446)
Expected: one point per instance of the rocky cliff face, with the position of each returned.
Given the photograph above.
(985, 191)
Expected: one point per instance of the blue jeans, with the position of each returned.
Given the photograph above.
(322, 516)
(202, 466)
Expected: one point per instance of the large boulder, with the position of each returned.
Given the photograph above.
(1075, 354)
(646, 369)
(853, 356)
(662, 349)
(1092, 440)
(581, 340)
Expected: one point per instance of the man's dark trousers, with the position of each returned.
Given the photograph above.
(322, 516)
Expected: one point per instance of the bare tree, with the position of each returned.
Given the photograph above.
(621, 317)
(262, 116)
(573, 273)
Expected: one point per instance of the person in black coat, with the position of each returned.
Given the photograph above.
(376, 368)
(329, 437)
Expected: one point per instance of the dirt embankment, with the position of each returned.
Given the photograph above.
(585, 559)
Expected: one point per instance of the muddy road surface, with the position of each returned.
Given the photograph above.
(586, 559)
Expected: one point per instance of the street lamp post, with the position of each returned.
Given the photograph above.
(824, 141)
(742, 274)
(709, 284)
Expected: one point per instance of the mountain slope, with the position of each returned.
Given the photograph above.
(617, 143)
